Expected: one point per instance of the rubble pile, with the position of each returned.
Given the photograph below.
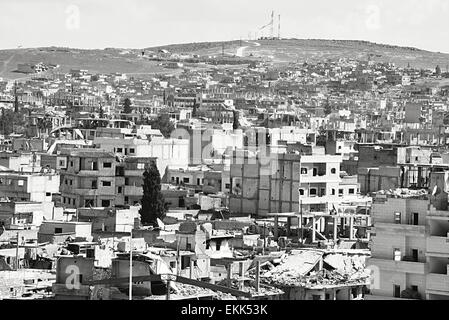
(402, 193)
(300, 269)
(344, 263)
(251, 288)
(188, 291)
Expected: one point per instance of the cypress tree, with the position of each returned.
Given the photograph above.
(127, 106)
(153, 202)
(235, 123)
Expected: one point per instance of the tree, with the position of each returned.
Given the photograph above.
(127, 106)
(438, 71)
(236, 123)
(16, 99)
(153, 202)
(195, 110)
(101, 112)
(164, 124)
(327, 108)
(13, 122)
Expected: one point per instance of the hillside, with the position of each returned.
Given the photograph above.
(129, 60)
(312, 50)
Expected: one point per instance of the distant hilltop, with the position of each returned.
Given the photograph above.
(130, 61)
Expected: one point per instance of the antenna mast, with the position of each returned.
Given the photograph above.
(279, 27)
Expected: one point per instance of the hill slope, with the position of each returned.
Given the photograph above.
(288, 50)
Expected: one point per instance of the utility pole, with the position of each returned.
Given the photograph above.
(279, 27)
(302, 220)
(17, 251)
(131, 265)
(264, 238)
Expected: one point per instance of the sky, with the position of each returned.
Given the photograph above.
(144, 23)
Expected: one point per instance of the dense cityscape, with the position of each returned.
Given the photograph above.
(225, 176)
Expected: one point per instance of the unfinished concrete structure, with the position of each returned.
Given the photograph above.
(288, 183)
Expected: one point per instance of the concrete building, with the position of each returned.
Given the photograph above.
(97, 178)
(58, 231)
(35, 187)
(27, 215)
(172, 152)
(399, 245)
(90, 179)
(283, 181)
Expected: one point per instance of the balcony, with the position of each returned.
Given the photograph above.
(437, 246)
(438, 282)
(306, 178)
(398, 266)
(402, 229)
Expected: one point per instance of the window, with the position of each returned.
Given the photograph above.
(61, 163)
(315, 172)
(88, 203)
(126, 181)
(94, 184)
(303, 170)
(107, 165)
(227, 186)
(126, 199)
(323, 192)
(333, 192)
(70, 182)
(48, 194)
(333, 171)
(119, 149)
(132, 150)
(94, 166)
(397, 254)
(301, 192)
(66, 181)
(198, 181)
(414, 288)
(20, 182)
(105, 203)
(58, 230)
(351, 191)
(415, 255)
(106, 183)
(340, 192)
(71, 163)
(396, 291)
(313, 192)
(415, 219)
(119, 190)
(186, 180)
(397, 217)
(316, 297)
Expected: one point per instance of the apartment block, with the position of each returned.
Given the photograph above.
(283, 182)
(35, 187)
(399, 245)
